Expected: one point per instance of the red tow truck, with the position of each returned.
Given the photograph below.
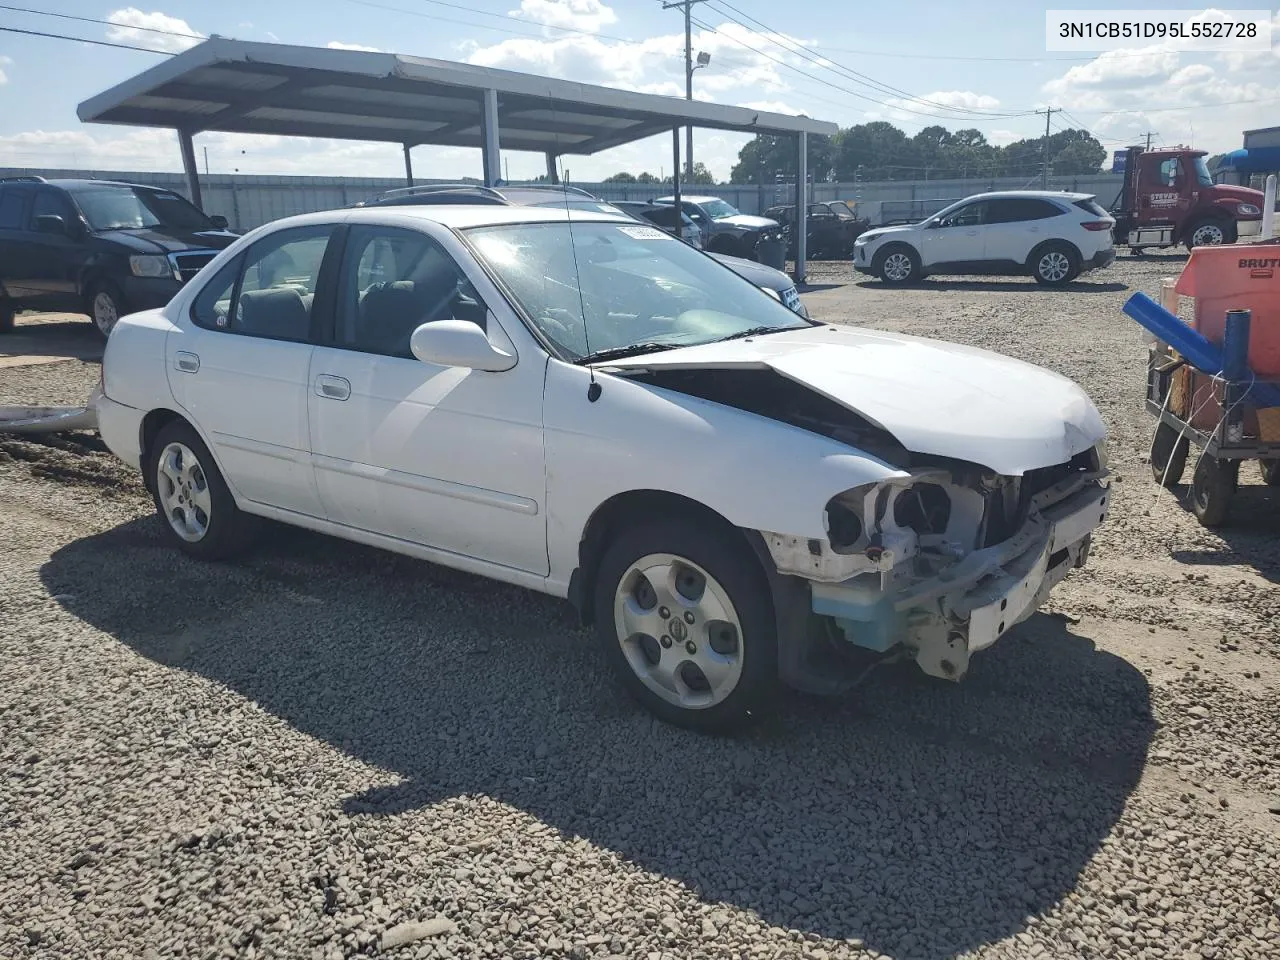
(1169, 197)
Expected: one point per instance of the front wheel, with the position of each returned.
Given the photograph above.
(1211, 233)
(106, 307)
(684, 619)
(1055, 265)
(1212, 489)
(198, 513)
(1168, 456)
(897, 265)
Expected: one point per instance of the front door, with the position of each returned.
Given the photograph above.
(1163, 190)
(240, 366)
(446, 457)
(959, 237)
(58, 250)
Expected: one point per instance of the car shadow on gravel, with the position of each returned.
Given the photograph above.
(947, 285)
(920, 817)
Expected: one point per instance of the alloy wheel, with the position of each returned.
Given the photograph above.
(184, 492)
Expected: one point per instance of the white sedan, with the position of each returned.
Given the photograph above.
(734, 495)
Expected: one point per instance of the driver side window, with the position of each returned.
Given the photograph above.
(1170, 173)
(972, 215)
(392, 282)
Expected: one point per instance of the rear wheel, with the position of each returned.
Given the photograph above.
(897, 265)
(106, 307)
(1055, 264)
(197, 511)
(685, 623)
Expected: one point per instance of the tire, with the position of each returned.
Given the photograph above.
(106, 307)
(1270, 470)
(1168, 456)
(716, 674)
(194, 506)
(897, 265)
(1210, 232)
(1055, 264)
(1212, 488)
(8, 313)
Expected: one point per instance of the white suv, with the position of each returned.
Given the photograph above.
(1055, 237)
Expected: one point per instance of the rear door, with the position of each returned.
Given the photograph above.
(15, 253)
(1017, 225)
(240, 364)
(57, 254)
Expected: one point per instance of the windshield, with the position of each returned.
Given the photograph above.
(639, 285)
(1202, 173)
(133, 208)
(718, 209)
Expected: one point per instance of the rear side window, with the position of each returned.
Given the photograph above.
(51, 202)
(1021, 209)
(267, 291)
(11, 204)
(1093, 207)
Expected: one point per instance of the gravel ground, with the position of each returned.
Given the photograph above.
(326, 751)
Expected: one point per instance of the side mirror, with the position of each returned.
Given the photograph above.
(932, 224)
(219, 221)
(52, 223)
(458, 343)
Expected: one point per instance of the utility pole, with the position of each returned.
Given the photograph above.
(703, 59)
(1044, 150)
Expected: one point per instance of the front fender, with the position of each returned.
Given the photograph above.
(757, 473)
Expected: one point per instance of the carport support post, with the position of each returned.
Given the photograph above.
(675, 176)
(408, 167)
(553, 175)
(492, 154)
(189, 166)
(802, 208)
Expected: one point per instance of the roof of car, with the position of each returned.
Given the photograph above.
(1031, 194)
(78, 183)
(457, 216)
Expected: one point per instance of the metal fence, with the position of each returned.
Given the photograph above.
(249, 201)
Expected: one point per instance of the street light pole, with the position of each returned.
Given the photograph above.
(689, 67)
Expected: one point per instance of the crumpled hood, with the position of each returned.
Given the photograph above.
(748, 222)
(935, 397)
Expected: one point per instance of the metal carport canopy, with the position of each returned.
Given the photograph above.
(238, 86)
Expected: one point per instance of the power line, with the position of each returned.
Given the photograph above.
(824, 63)
(108, 23)
(98, 43)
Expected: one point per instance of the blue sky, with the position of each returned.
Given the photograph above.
(978, 64)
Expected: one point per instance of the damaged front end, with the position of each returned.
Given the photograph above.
(942, 562)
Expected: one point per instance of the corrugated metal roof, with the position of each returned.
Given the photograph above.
(243, 87)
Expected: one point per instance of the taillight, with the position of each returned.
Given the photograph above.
(1096, 225)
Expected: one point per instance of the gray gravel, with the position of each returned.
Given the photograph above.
(327, 751)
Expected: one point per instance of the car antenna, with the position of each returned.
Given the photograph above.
(593, 388)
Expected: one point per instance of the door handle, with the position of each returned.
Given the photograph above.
(332, 388)
(186, 362)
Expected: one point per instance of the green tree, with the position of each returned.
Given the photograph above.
(622, 177)
(647, 177)
(1080, 157)
(763, 159)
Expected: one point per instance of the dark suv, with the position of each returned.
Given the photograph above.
(98, 247)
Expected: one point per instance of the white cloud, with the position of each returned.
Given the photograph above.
(339, 45)
(943, 104)
(1115, 70)
(126, 24)
(1258, 59)
(588, 15)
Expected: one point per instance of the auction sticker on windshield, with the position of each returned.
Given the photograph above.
(644, 233)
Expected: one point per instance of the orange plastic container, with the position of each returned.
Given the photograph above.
(1238, 277)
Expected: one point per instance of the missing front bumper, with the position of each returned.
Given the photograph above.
(943, 620)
